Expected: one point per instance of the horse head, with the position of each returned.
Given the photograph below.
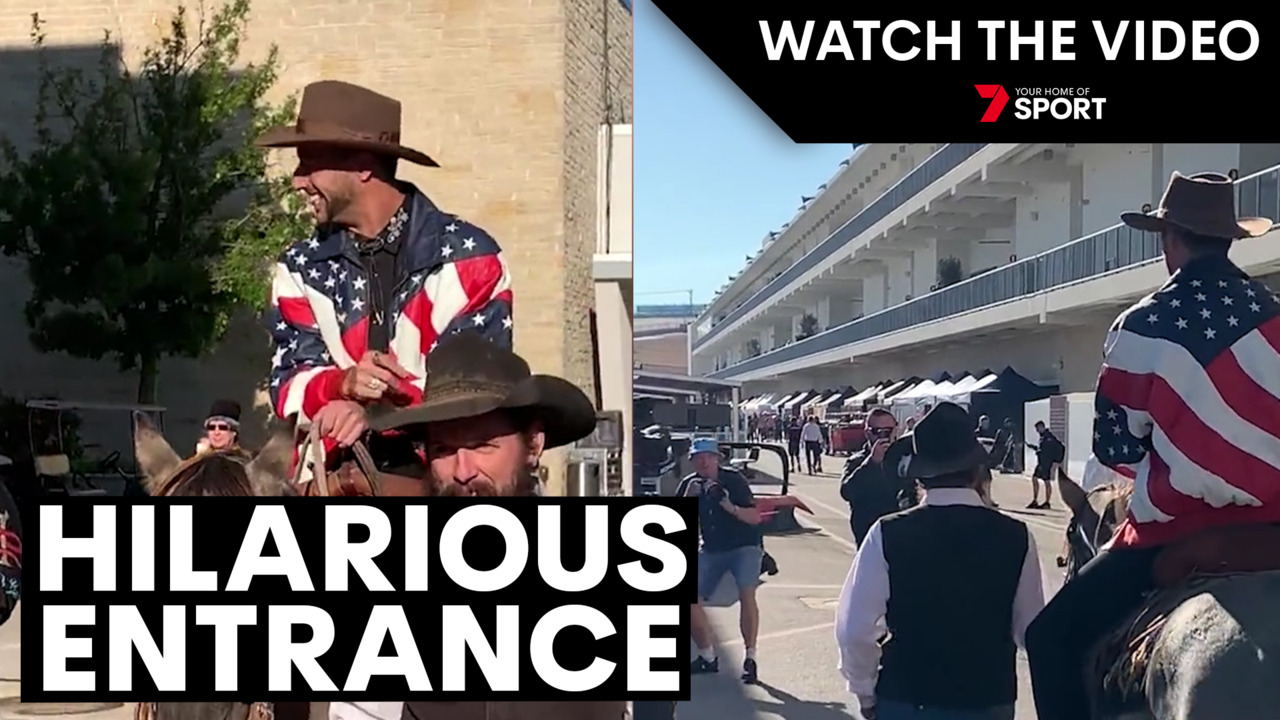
(1095, 513)
(234, 473)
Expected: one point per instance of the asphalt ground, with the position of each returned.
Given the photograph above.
(796, 650)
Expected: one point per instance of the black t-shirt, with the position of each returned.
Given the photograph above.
(720, 530)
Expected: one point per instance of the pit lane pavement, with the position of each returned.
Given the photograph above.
(797, 654)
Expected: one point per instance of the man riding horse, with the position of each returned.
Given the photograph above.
(1189, 397)
(357, 307)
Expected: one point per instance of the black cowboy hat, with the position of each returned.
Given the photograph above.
(1205, 204)
(941, 443)
(340, 114)
(469, 376)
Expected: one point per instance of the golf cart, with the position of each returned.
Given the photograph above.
(778, 510)
(56, 472)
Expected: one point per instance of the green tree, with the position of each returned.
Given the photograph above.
(807, 327)
(144, 214)
(950, 272)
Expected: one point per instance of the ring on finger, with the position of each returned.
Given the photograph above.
(375, 384)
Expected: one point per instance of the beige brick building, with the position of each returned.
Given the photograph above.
(508, 95)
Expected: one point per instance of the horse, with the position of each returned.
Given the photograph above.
(233, 473)
(1204, 647)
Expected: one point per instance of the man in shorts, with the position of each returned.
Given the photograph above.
(731, 544)
(1050, 452)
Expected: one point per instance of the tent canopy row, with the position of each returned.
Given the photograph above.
(914, 391)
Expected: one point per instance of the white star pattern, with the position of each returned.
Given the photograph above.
(326, 273)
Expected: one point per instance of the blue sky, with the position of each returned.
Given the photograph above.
(713, 174)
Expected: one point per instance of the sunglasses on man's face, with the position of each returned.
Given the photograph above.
(222, 427)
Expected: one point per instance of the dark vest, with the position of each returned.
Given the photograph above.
(953, 573)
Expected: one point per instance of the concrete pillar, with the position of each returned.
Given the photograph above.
(875, 292)
(898, 280)
(841, 310)
(823, 312)
(924, 268)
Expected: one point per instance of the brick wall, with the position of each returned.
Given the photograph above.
(505, 94)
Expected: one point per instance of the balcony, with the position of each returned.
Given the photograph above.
(1116, 248)
(925, 174)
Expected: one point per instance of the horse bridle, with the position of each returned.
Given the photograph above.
(315, 445)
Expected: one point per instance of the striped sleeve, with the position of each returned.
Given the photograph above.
(303, 375)
(10, 555)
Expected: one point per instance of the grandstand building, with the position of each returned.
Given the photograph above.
(916, 260)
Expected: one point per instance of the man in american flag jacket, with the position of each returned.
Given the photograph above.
(356, 308)
(1188, 404)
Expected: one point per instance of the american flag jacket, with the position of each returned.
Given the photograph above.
(450, 276)
(1188, 404)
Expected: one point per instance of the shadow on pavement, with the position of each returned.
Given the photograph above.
(790, 707)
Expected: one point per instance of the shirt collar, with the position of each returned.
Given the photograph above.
(1208, 266)
(952, 496)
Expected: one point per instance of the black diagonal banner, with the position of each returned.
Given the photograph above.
(828, 71)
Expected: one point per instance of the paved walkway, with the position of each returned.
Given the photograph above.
(797, 654)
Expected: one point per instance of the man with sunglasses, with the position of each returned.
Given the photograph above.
(221, 428)
(871, 491)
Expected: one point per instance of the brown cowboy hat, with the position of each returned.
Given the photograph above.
(1205, 204)
(344, 115)
(469, 376)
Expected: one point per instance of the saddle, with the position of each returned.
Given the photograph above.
(1180, 572)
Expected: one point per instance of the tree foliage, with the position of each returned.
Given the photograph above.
(950, 271)
(807, 327)
(144, 214)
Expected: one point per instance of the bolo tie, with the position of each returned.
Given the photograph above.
(370, 253)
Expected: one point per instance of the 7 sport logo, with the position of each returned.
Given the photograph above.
(998, 97)
(1033, 103)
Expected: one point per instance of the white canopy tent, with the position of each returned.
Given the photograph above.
(892, 389)
(922, 389)
(782, 401)
(865, 395)
(834, 398)
(962, 386)
(962, 397)
(796, 400)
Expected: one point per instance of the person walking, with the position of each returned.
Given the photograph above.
(811, 436)
(1050, 453)
(731, 545)
(793, 442)
(955, 585)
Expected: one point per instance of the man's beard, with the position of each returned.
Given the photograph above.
(525, 484)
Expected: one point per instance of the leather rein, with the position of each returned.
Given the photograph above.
(313, 444)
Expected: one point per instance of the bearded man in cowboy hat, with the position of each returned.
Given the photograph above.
(954, 582)
(357, 307)
(484, 423)
(1186, 401)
